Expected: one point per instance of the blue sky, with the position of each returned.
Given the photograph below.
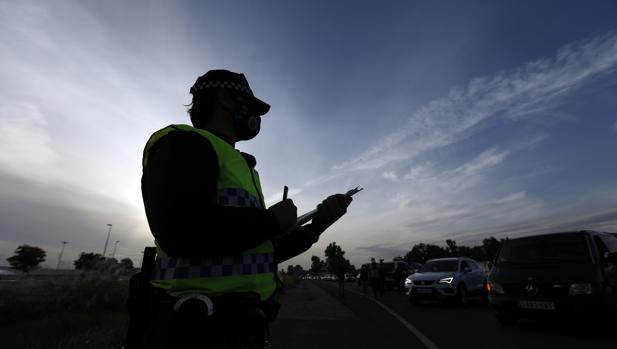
(460, 119)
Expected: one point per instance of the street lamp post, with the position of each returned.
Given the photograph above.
(113, 255)
(60, 255)
(107, 241)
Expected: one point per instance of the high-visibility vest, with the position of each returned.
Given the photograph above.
(252, 271)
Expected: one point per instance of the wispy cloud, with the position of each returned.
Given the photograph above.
(602, 220)
(390, 175)
(514, 94)
(489, 158)
(424, 184)
(429, 200)
(381, 250)
(25, 145)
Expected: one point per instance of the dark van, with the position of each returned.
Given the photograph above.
(561, 274)
(394, 274)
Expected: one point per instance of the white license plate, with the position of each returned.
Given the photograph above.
(536, 305)
(424, 290)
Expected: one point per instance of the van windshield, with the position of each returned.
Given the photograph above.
(439, 266)
(548, 248)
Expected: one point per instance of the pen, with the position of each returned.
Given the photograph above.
(285, 190)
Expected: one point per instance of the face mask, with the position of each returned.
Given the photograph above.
(246, 123)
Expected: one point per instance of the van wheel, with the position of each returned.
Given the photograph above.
(463, 297)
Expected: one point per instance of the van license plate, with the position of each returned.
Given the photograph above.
(424, 290)
(536, 305)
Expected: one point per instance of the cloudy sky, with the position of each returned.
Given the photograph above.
(460, 119)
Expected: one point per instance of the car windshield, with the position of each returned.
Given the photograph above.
(549, 248)
(439, 266)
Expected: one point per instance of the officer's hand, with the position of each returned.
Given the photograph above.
(286, 213)
(331, 209)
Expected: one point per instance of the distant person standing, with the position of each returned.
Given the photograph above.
(374, 276)
(340, 273)
(382, 278)
(364, 278)
(399, 277)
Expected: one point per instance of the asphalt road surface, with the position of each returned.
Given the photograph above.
(314, 316)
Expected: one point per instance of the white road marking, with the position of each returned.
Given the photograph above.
(427, 342)
(421, 337)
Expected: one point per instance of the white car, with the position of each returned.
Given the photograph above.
(329, 277)
(446, 278)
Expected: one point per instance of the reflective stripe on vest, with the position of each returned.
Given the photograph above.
(253, 271)
(182, 268)
(237, 197)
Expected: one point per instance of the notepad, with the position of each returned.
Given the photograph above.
(307, 217)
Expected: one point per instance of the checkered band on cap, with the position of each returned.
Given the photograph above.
(236, 197)
(221, 84)
(167, 268)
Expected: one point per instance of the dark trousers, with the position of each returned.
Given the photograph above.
(237, 323)
(377, 287)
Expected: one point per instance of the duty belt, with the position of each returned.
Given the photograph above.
(167, 268)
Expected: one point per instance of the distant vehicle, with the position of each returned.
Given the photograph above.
(350, 277)
(329, 277)
(446, 278)
(414, 266)
(572, 273)
(392, 270)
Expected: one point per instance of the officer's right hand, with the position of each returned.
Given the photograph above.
(286, 213)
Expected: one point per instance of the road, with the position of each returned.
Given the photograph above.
(313, 316)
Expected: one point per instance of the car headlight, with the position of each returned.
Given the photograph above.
(494, 288)
(446, 280)
(576, 289)
(407, 282)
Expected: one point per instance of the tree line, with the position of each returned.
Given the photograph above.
(420, 253)
(28, 258)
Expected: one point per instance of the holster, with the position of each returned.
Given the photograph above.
(239, 318)
(139, 301)
(271, 307)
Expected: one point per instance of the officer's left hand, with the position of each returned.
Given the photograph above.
(331, 209)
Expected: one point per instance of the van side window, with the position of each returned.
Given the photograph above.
(610, 242)
(474, 265)
(601, 246)
(464, 265)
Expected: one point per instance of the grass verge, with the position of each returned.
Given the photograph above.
(85, 312)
